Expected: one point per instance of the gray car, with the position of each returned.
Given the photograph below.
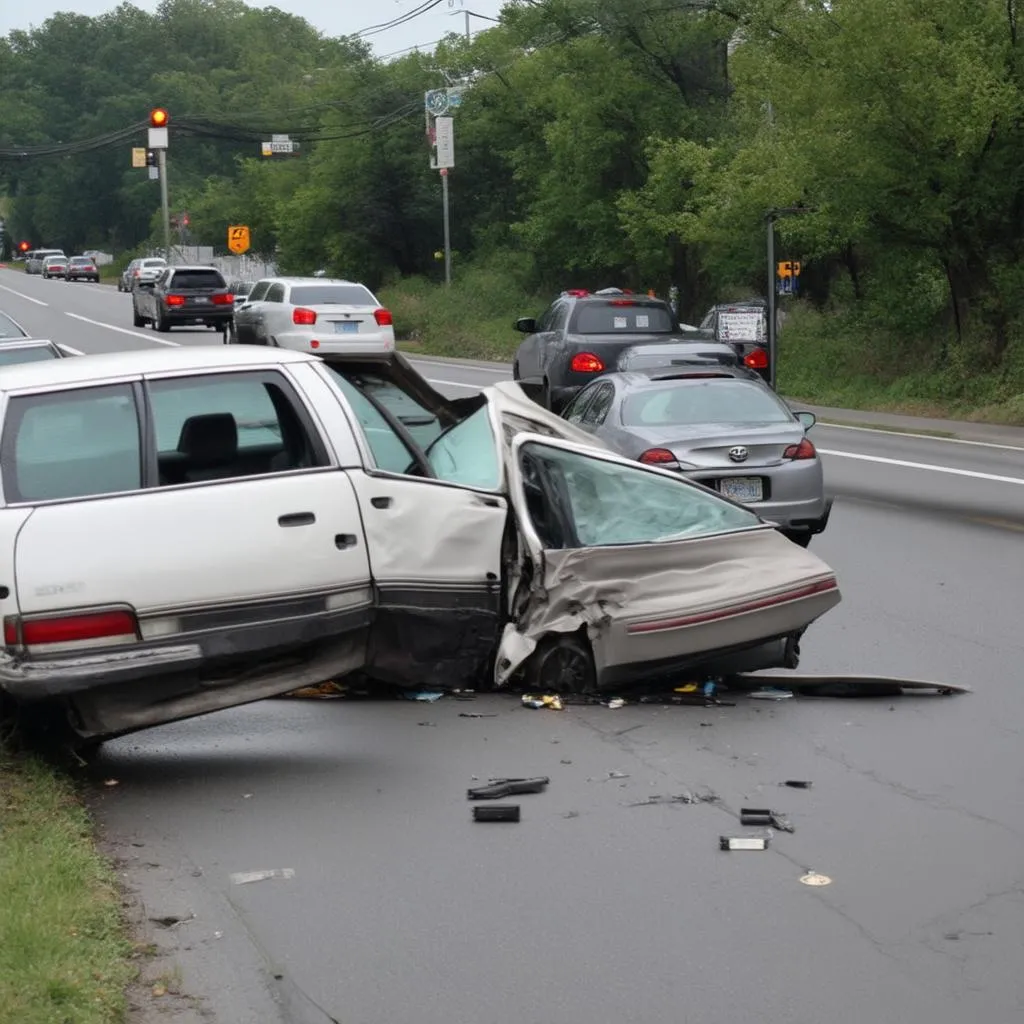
(721, 428)
(677, 353)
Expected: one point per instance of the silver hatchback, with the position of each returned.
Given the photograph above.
(720, 428)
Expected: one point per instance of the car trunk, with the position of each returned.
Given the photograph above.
(346, 321)
(707, 445)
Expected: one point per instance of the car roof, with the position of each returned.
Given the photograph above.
(313, 280)
(186, 266)
(89, 368)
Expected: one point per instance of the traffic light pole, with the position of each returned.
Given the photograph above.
(165, 204)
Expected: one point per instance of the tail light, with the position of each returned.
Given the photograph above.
(804, 450)
(135, 273)
(622, 302)
(224, 299)
(303, 317)
(83, 630)
(174, 300)
(383, 317)
(659, 457)
(577, 293)
(586, 362)
(756, 360)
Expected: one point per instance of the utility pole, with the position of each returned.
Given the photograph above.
(771, 216)
(447, 228)
(469, 35)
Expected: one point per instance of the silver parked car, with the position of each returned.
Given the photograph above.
(677, 353)
(37, 257)
(312, 314)
(720, 428)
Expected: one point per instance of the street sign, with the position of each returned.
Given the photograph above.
(440, 101)
(139, 156)
(278, 144)
(444, 133)
(788, 269)
(157, 138)
(238, 239)
(154, 173)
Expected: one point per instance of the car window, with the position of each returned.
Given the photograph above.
(577, 408)
(225, 426)
(198, 278)
(259, 289)
(30, 354)
(466, 453)
(72, 444)
(275, 293)
(683, 403)
(389, 451)
(332, 295)
(9, 329)
(559, 316)
(81, 260)
(151, 264)
(580, 501)
(645, 357)
(622, 316)
(598, 409)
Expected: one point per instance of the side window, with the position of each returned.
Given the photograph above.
(466, 453)
(226, 426)
(559, 317)
(578, 406)
(259, 290)
(390, 452)
(72, 444)
(581, 501)
(595, 413)
(544, 321)
(275, 293)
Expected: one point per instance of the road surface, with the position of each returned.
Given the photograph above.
(592, 909)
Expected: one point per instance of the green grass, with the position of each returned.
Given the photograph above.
(64, 952)
(823, 360)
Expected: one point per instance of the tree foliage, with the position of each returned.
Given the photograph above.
(629, 141)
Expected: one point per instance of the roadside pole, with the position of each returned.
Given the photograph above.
(444, 147)
(447, 228)
(165, 204)
(770, 217)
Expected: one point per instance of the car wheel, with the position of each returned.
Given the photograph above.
(161, 325)
(138, 321)
(802, 538)
(561, 664)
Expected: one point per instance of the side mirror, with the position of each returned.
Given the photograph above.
(526, 325)
(808, 419)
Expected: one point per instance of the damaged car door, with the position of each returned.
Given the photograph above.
(648, 574)
(434, 522)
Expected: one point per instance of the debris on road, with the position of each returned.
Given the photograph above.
(813, 878)
(771, 693)
(325, 691)
(615, 703)
(429, 696)
(246, 877)
(111, 782)
(552, 701)
(806, 685)
(497, 788)
(758, 816)
(798, 783)
(464, 694)
(496, 812)
(463, 714)
(679, 798)
(743, 842)
(426, 723)
(618, 775)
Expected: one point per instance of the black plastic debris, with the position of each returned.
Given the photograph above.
(498, 788)
(496, 812)
(764, 816)
(464, 714)
(798, 784)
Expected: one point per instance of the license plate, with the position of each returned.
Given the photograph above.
(743, 488)
(346, 326)
(200, 300)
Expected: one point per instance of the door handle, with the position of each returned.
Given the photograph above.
(297, 519)
(489, 502)
(344, 540)
(380, 502)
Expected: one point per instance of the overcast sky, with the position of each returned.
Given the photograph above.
(428, 20)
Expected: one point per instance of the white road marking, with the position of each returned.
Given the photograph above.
(455, 384)
(455, 366)
(22, 295)
(124, 330)
(923, 437)
(924, 465)
(68, 348)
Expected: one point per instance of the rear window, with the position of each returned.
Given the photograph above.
(72, 444)
(35, 354)
(606, 318)
(200, 278)
(684, 403)
(81, 261)
(676, 355)
(157, 263)
(332, 295)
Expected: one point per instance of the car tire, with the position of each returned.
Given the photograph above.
(561, 664)
(137, 321)
(160, 324)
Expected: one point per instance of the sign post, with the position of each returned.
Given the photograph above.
(238, 239)
(770, 217)
(444, 135)
(158, 139)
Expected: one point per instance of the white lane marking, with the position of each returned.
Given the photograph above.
(923, 437)
(923, 465)
(22, 295)
(456, 366)
(68, 348)
(455, 384)
(123, 330)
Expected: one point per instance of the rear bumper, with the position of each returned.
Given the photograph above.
(207, 315)
(319, 341)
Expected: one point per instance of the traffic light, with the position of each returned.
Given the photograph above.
(24, 247)
(151, 158)
(158, 118)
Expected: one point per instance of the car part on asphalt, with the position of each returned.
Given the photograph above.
(472, 714)
(743, 842)
(497, 812)
(798, 784)
(497, 788)
(825, 685)
(765, 816)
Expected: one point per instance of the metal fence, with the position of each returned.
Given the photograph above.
(245, 268)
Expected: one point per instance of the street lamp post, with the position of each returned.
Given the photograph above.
(770, 217)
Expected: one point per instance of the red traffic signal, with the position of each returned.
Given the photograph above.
(158, 118)
(24, 247)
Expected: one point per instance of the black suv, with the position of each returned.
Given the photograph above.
(582, 335)
(183, 296)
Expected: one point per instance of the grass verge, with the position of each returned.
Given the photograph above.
(64, 952)
(823, 360)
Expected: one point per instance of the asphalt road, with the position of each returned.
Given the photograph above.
(591, 910)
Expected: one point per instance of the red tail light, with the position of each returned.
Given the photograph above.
(135, 273)
(174, 300)
(69, 629)
(224, 300)
(659, 457)
(756, 360)
(383, 317)
(803, 450)
(622, 302)
(303, 317)
(586, 362)
(578, 293)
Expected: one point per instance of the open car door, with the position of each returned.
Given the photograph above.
(658, 572)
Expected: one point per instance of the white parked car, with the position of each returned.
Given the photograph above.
(188, 529)
(314, 314)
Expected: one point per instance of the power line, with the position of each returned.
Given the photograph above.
(403, 19)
